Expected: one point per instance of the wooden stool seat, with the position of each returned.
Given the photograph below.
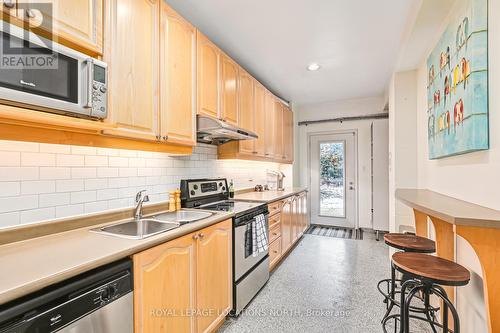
(434, 269)
(410, 243)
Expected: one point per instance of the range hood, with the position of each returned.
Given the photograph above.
(214, 131)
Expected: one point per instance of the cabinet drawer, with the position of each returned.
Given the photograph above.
(273, 219)
(274, 207)
(274, 231)
(274, 252)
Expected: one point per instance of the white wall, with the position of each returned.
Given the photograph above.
(45, 181)
(402, 144)
(344, 108)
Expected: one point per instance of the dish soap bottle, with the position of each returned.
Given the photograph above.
(231, 189)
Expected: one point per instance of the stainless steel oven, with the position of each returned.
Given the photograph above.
(44, 75)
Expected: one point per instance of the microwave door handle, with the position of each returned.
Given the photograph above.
(90, 75)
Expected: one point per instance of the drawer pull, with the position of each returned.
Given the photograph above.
(275, 251)
(275, 234)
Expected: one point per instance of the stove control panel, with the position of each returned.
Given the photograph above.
(205, 187)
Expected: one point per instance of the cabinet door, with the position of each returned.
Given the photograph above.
(77, 23)
(278, 110)
(287, 134)
(164, 283)
(177, 83)
(246, 110)
(208, 76)
(132, 54)
(229, 81)
(260, 119)
(270, 127)
(286, 225)
(214, 275)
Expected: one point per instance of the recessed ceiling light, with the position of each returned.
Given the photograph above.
(313, 67)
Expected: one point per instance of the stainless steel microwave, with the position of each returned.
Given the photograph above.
(41, 74)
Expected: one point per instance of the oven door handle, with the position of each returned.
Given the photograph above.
(90, 75)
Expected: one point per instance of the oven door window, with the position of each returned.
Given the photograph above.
(59, 81)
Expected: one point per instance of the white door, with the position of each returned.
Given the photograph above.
(333, 179)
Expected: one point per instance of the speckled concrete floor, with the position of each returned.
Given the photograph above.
(325, 285)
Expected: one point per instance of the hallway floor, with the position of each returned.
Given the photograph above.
(325, 285)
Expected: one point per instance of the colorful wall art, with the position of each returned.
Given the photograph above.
(457, 87)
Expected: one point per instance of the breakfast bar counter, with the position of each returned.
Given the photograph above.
(478, 225)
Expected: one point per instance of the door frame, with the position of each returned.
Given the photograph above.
(356, 171)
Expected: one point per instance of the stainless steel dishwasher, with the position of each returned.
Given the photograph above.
(99, 301)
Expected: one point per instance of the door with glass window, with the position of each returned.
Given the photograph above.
(333, 179)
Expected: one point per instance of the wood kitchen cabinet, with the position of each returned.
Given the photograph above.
(287, 134)
(246, 109)
(270, 127)
(132, 52)
(185, 285)
(208, 58)
(260, 119)
(287, 222)
(77, 24)
(177, 78)
(278, 130)
(229, 90)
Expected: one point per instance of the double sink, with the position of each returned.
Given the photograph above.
(150, 226)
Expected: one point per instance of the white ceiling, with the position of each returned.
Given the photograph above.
(355, 41)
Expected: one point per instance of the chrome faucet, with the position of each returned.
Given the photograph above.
(139, 200)
(279, 176)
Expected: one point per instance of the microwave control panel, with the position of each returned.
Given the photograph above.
(99, 92)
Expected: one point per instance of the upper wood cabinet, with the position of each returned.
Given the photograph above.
(165, 279)
(214, 275)
(278, 130)
(177, 77)
(270, 127)
(246, 109)
(77, 23)
(287, 134)
(132, 53)
(193, 272)
(229, 90)
(260, 119)
(208, 57)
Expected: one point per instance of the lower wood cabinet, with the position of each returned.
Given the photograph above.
(288, 220)
(185, 285)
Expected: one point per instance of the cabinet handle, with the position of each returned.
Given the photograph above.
(275, 251)
(165, 137)
(195, 237)
(158, 137)
(9, 3)
(202, 235)
(255, 152)
(275, 234)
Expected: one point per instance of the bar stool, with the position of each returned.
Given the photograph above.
(406, 243)
(427, 274)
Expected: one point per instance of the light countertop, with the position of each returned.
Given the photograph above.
(33, 264)
(269, 196)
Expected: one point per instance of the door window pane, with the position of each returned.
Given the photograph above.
(331, 179)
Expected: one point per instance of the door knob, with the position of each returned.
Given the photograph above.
(202, 235)
(195, 237)
(9, 3)
(351, 187)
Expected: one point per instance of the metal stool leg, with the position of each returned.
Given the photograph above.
(447, 304)
(427, 292)
(407, 303)
(402, 305)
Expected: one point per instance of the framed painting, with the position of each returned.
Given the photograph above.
(457, 88)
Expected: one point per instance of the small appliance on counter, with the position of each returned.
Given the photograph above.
(250, 270)
(99, 301)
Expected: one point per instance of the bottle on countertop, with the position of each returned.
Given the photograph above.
(171, 202)
(231, 189)
(178, 199)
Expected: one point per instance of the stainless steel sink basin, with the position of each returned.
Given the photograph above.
(183, 216)
(137, 230)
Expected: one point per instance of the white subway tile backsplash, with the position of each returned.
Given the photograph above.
(10, 219)
(70, 160)
(38, 159)
(69, 210)
(83, 196)
(54, 199)
(70, 185)
(10, 189)
(11, 204)
(38, 186)
(96, 161)
(18, 173)
(10, 158)
(36, 215)
(55, 173)
(70, 180)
